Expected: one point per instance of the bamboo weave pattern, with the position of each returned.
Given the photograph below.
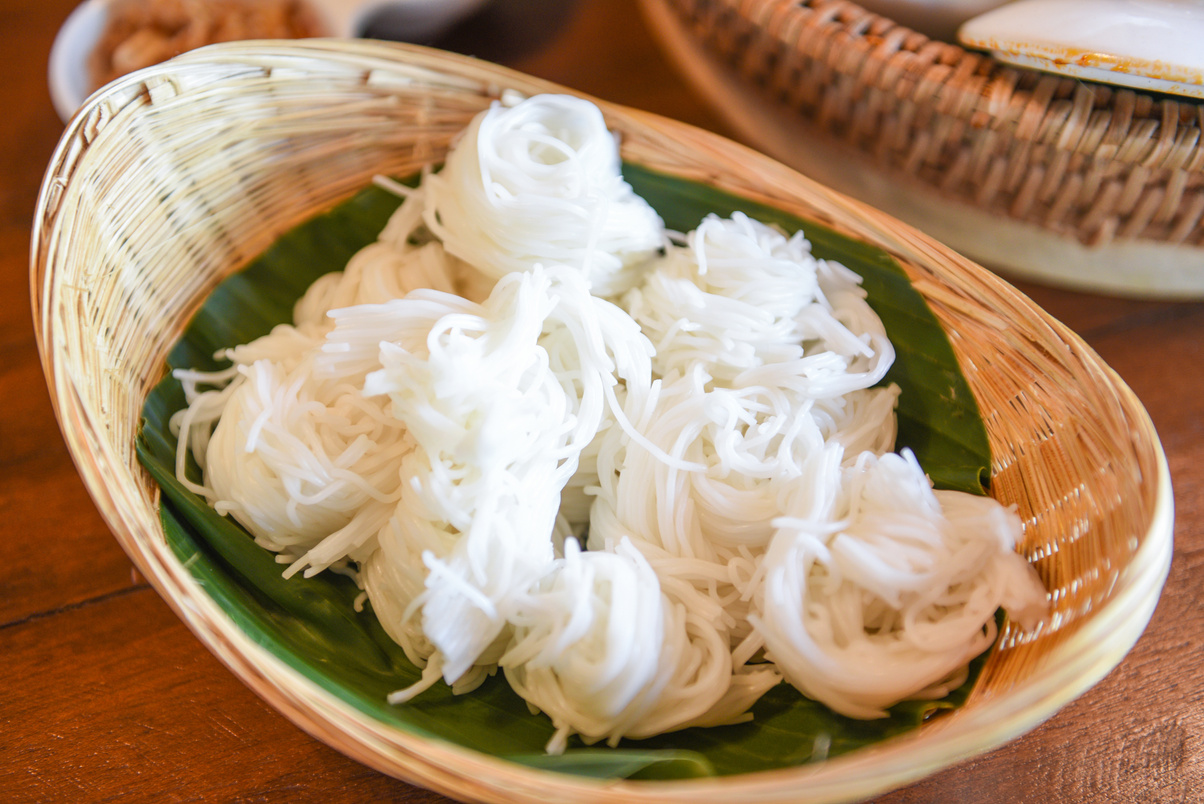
(1081, 159)
(174, 178)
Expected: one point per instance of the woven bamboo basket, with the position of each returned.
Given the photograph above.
(173, 178)
(1050, 178)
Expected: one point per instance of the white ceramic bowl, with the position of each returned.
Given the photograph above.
(70, 83)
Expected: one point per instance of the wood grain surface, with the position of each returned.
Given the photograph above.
(108, 697)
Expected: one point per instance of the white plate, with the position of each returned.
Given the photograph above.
(70, 83)
(938, 19)
(1152, 45)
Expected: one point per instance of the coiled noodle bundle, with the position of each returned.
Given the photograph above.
(539, 183)
(607, 652)
(755, 307)
(298, 463)
(881, 589)
(500, 400)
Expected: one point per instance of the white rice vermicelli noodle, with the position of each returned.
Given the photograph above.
(491, 422)
(299, 456)
(385, 270)
(755, 307)
(607, 652)
(539, 183)
(298, 462)
(759, 372)
(500, 399)
(881, 589)
(441, 416)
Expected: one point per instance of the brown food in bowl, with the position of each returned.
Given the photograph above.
(140, 33)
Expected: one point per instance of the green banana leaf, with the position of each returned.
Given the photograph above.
(311, 623)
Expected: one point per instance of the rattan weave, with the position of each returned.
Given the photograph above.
(173, 178)
(1066, 159)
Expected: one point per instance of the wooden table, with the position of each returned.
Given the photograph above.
(108, 697)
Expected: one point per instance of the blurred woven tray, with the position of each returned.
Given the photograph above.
(171, 179)
(1051, 178)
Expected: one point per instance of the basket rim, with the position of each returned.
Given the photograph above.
(1075, 664)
